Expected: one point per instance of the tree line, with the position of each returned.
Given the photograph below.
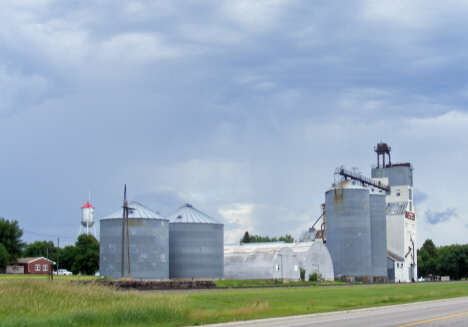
(449, 260)
(83, 257)
(247, 238)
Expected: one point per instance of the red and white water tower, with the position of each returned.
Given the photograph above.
(87, 217)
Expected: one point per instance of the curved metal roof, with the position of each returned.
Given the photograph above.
(249, 248)
(302, 249)
(188, 214)
(136, 210)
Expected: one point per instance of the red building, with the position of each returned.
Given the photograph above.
(39, 265)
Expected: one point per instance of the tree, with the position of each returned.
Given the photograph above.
(67, 257)
(287, 238)
(86, 255)
(245, 238)
(428, 256)
(10, 237)
(430, 248)
(44, 249)
(4, 257)
(38, 249)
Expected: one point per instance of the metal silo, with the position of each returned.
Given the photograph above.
(378, 226)
(148, 243)
(348, 230)
(196, 245)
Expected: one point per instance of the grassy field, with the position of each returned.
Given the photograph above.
(37, 302)
(270, 283)
(5, 277)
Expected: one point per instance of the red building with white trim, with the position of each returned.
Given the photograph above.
(39, 265)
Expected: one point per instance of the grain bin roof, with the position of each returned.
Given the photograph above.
(347, 184)
(136, 210)
(188, 214)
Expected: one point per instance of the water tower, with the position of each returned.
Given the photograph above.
(87, 217)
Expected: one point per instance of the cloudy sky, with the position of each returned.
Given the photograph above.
(242, 108)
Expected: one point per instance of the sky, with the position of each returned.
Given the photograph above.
(243, 109)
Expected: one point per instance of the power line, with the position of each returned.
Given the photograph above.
(53, 236)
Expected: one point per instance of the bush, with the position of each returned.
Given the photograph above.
(302, 272)
(315, 276)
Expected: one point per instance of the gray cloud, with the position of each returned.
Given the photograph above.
(242, 108)
(435, 217)
(419, 196)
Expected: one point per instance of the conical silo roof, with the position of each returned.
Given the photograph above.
(188, 214)
(136, 210)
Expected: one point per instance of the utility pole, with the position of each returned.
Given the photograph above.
(58, 253)
(51, 265)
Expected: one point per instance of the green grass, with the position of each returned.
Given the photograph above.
(270, 283)
(39, 303)
(8, 277)
(36, 302)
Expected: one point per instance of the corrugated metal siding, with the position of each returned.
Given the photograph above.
(348, 231)
(313, 256)
(196, 250)
(308, 236)
(149, 248)
(398, 175)
(378, 224)
(390, 269)
(260, 261)
(396, 208)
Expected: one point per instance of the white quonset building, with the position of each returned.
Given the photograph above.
(400, 215)
(261, 261)
(314, 256)
(148, 244)
(196, 243)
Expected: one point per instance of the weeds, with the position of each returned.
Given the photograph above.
(39, 303)
(315, 276)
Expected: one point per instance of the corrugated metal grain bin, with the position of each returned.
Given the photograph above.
(149, 244)
(378, 225)
(260, 261)
(196, 243)
(348, 230)
(314, 256)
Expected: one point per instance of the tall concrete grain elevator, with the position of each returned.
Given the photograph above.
(371, 222)
(400, 214)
